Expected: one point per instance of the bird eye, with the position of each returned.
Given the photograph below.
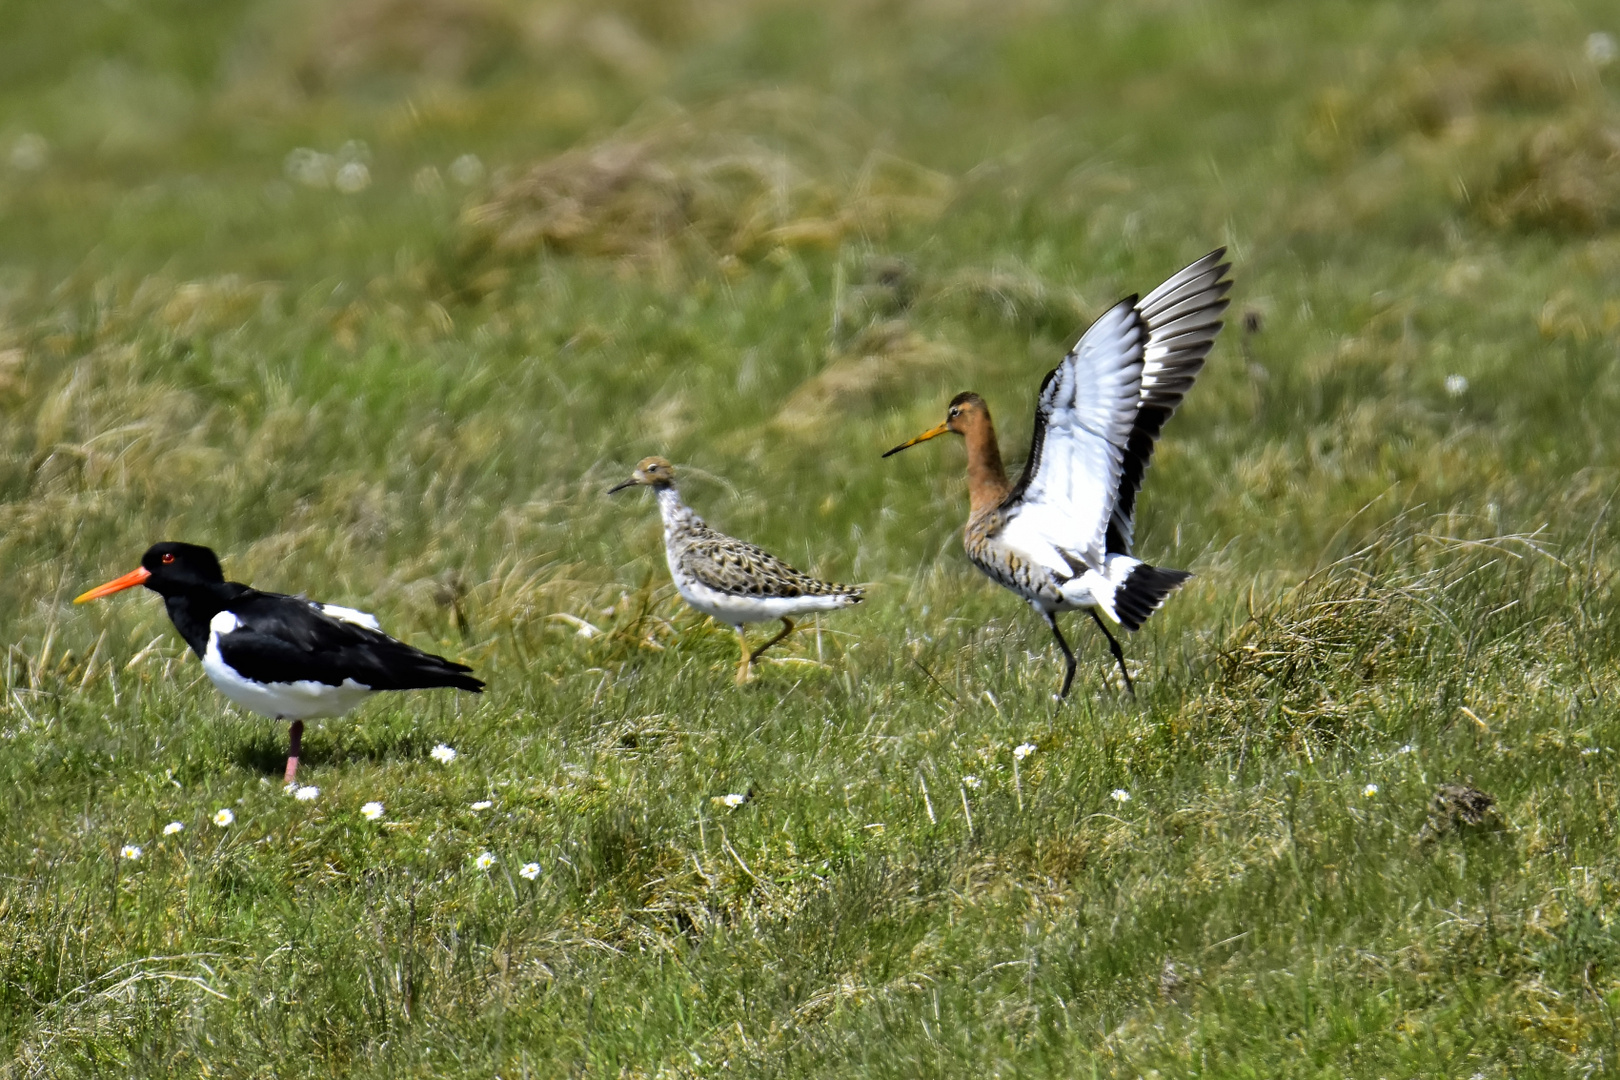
(169, 558)
(953, 414)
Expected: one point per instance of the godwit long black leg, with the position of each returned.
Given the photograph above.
(1113, 647)
(1068, 654)
(295, 746)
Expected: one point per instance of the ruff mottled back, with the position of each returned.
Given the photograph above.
(732, 581)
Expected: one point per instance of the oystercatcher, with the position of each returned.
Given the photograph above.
(1061, 536)
(727, 579)
(281, 656)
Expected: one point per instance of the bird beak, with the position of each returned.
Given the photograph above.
(135, 577)
(931, 433)
(620, 487)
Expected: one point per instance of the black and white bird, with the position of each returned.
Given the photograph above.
(281, 656)
(1061, 536)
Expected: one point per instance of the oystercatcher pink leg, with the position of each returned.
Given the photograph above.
(295, 744)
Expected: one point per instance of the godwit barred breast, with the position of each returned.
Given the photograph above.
(280, 656)
(731, 581)
(1061, 536)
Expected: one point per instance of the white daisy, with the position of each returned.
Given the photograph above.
(1120, 795)
(171, 828)
(1600, 49)
(442, 754)
(372, 811)
(484, 861)
(971, 782)
(1369, 791)
(467, 170)
(130, 851)
(482, 804)
(352, 178)
(1023, 750)
(224, 817)
(733, 800)
(1456, 385)
(307, 794)
(529, 871)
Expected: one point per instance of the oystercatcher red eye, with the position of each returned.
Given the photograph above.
(169, 558)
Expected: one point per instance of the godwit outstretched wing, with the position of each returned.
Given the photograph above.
(1183, 316)
(1057, 514)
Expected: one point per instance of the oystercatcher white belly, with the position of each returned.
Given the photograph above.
(298, 700)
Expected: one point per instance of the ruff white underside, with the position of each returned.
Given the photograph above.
(299, 700)
(736, 610)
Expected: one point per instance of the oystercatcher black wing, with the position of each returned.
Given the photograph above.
(270, 638)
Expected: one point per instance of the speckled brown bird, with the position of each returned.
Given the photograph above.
(727, 579)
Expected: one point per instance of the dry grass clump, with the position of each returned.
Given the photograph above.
(737, 180)
(1527, 136)
(884, 359)
(1453, 808)
(1565, 176)
(1325, 657)
(1441, 96)
(442, 40)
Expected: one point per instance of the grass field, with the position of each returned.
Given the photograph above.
(378, 297)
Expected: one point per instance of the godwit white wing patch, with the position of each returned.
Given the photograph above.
(284, 700)
(1058, 514)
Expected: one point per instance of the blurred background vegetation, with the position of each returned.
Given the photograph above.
(378, 296)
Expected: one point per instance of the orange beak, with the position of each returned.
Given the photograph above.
(931, 433)
(135, 577)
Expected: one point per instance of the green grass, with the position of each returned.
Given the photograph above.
(788, 233)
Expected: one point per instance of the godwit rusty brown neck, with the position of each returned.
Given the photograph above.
(987, 477)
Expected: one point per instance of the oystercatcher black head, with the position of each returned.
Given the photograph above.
(282, 656)
(169, 568)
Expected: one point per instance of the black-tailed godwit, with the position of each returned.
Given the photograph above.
(1061, 536)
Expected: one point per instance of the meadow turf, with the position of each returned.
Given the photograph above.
(378, 297)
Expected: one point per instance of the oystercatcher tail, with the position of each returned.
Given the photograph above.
(281, 656)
